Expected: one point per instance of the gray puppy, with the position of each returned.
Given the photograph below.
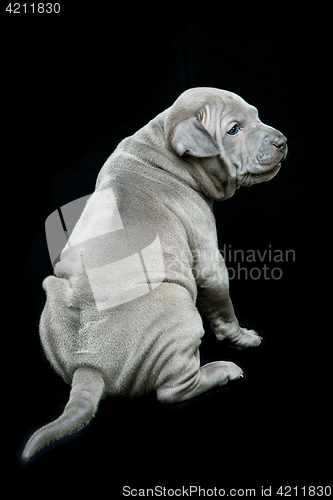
(120, 315)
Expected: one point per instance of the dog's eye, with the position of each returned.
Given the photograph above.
(233, 130)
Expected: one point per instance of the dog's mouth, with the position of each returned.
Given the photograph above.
(264, 170)
(249, 179)
(269, 174)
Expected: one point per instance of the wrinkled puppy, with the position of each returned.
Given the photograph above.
(120, 316)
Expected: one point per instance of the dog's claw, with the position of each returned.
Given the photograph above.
(241, 375)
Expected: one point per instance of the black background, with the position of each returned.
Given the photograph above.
(73, 87)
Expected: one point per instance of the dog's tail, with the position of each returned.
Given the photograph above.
(87, 391)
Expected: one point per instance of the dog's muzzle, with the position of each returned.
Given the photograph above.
(268, 161)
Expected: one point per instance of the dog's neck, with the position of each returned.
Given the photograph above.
(209, 176)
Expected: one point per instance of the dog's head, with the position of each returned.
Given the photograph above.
(222, 140)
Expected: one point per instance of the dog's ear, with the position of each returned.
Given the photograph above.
(191, 137)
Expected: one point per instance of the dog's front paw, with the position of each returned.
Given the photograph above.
(244, 339)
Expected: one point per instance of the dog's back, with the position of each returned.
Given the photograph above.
(129, 254)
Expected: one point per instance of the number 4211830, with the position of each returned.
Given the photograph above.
(33, 8)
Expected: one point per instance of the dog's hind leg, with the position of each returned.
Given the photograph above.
(208, 376)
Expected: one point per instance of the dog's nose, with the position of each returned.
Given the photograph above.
(280, 141)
